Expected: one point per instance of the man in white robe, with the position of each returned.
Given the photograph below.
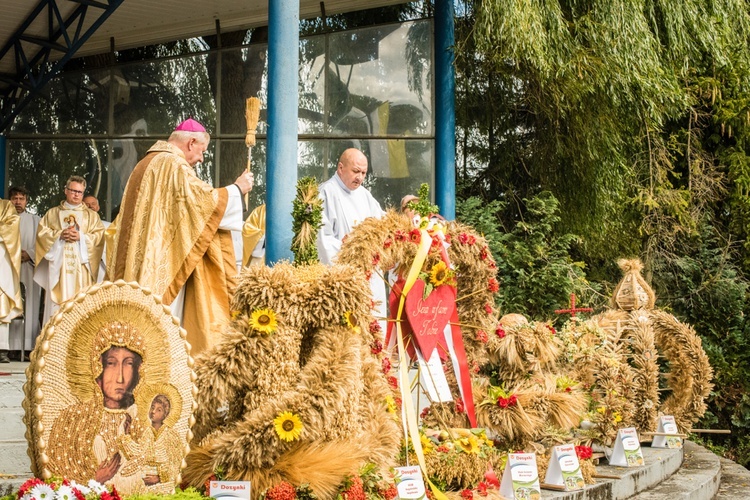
(68, 248)
(23, 334)
(10, 267)
(346, 203)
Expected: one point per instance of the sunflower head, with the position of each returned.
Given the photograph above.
(264, 321)
(440, 274)
(350, 319)
(391, 404)
(468, 444)
(288, 426)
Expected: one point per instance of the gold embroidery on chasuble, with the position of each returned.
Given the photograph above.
(167, 236)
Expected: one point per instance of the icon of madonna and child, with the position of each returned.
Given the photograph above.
(121, 418)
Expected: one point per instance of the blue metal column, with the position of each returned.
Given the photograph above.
(2, 166)
(445, 110)
(281, 165)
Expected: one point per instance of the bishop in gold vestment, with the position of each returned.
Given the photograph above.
(172, 234)
(10, 272)
(69, 243)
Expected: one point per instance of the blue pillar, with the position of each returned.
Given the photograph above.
(3, 166)
(445, 110)
(281, 166)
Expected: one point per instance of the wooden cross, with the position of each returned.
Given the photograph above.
(572, 311)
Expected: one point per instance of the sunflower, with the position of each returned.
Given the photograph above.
(439, 274)
(264, 320)
(350, 320)
(468, 444)
(390, 404)
(288, 426)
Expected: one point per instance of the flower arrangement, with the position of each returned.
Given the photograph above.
(63, 489)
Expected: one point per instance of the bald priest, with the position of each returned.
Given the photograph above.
(173, 233)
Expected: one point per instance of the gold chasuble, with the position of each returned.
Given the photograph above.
(10, 253)
(167, 236)
(62, 271)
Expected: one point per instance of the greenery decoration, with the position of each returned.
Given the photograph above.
(307, 215)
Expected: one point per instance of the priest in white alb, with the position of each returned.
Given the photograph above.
(69, 246)
(346, 203)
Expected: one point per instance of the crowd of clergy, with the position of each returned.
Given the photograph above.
(174, 233)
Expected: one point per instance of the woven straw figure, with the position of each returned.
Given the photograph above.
(293, 392)
(647, 333)
(89, 386)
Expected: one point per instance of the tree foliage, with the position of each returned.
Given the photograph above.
(636, 117)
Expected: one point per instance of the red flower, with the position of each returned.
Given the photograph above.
(425, 412)
(552, 329)
(393, 382)
(376, 347)
(356, 491)
(442, 449)
(115, 495)
(460, 407)
(388, 242)
(400, 235)
(482, 336)
(415, 235)
(463, 238)
(568, 389)
(447, 238)
(368, 275)
(467, 494)
(491, 264)
(507, 402)
(390, 492)
(375, 259)
(492, 285)
(30, 483)
(435, 242)
(471, 239)
(386, 366)
(484, 253)
(282, 491)
(78, 494)
(584, 452)
(375, 328)
(398, 402)
(482, 488)
(207, 484)
(500, 331)
(488, 308)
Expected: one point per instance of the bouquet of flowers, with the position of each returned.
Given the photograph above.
(62, 489)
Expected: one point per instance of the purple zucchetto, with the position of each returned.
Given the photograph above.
(190, 125)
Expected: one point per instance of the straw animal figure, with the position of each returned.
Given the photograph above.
(299, 343)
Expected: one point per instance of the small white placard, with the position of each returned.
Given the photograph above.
(432, 378)
(230, 489)
(564, 468)
(627, 452)
(409, 483)
(520, 477)
(667, 425)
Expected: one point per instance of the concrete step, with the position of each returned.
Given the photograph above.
(11, 424)
(11, 389)
(697, 479)
(735, 481)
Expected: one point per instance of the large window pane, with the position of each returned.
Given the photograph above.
(377, 83)
(73, 103)
(234, 162)
(244, 73)
(160, 94)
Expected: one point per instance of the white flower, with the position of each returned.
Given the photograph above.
(42, 492)
(83, 489)
(65, 493)
(97, 488)
(27, 496)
